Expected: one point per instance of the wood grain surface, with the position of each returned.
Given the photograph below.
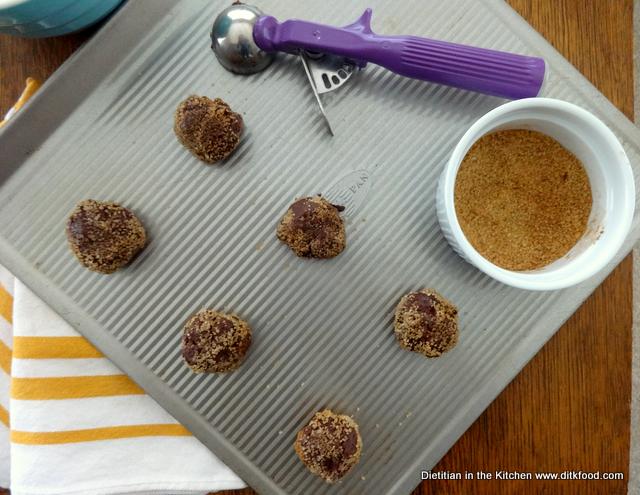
(569, 408)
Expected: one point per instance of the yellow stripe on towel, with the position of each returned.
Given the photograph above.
(4, 416)
(5, 358)
(6, 305)
(95, 434)
(72, 387)
(54, 348)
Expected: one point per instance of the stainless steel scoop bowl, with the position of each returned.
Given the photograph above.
(232, 40)
(233, 44)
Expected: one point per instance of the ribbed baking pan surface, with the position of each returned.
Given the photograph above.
(102, 129)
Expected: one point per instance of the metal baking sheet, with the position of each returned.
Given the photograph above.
(102, 128)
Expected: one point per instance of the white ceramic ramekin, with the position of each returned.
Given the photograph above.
(609, 173)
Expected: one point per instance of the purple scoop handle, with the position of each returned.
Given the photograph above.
(492, 72)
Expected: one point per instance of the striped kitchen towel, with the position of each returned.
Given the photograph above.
(6, 301)
(77, 424)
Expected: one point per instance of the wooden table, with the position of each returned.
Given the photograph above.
(569, 408)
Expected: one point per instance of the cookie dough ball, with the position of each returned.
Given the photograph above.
(312, 227)
(104, 236)
(208, 128)
(427, 323)
(330, 445)
(214, 342)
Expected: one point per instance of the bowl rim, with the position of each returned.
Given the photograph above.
(5, 5)
(536, 280)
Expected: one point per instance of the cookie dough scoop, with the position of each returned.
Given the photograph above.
(244, 40)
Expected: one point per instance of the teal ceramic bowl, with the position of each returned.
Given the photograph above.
(43, 18)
